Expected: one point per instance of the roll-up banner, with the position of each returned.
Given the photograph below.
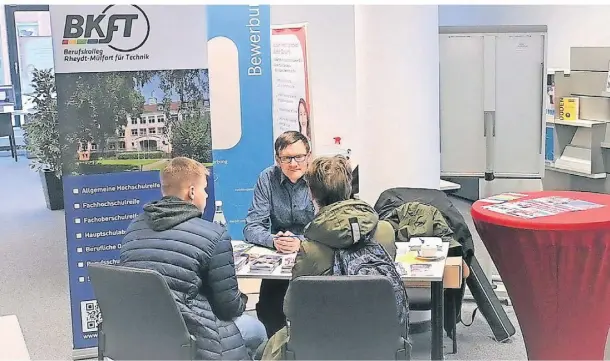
(133, 90)
(292, 104)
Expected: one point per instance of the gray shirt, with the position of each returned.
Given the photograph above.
(278, 205)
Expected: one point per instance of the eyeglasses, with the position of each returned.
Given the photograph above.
(297, 158)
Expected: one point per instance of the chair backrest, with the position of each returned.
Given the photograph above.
(344, 318)
(140, 318)
(6, 125)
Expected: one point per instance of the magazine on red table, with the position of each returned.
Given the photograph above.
(504, 197)
(542, 207)
(565, 204)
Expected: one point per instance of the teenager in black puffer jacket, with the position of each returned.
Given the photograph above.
(196, 259)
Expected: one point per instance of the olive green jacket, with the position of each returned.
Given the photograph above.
(415, 219)
(331, 230)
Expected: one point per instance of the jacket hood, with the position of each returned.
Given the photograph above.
(332, 226)
(169, 212)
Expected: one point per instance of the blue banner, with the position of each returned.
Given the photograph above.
(127, 107)
(237, 168)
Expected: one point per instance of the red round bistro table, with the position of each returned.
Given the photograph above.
(556, 270)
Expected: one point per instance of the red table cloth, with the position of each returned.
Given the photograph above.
(556, 270)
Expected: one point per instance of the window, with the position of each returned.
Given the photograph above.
(151, 119)
(111, 146)
(160, 107)
(152, 130)
(134, 121)
(134, 132)
(161, 118)
(121, 145)
(27, 29)
(162, 130)
(173, 117)
(143, 131)
(143, 120)
(121, 132)
(93, 146)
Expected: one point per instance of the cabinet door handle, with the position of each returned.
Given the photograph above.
(542, 108)
(489, 117)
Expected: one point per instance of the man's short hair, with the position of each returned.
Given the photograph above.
(180, 173)
(288, 138)
(329, 179)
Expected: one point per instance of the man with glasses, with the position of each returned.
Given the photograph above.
(280, 210)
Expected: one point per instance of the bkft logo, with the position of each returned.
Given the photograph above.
(123, 28)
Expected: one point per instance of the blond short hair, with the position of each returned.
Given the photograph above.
(180, 173)
(329, 179)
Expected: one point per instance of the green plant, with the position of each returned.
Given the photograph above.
(41, 131)
(190, 137)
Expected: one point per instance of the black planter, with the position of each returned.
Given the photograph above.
(52, 188)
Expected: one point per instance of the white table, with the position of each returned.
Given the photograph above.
(449, 186)
(435, 277)
(436, 273)
(12, 343)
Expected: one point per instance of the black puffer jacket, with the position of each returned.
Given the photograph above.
(196, 259)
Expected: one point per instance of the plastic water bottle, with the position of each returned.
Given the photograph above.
(219, 216)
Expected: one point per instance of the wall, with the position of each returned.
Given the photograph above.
(5, 74)
(568, 26)
(332, 66)
(332, 48)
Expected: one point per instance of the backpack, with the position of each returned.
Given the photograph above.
(367, 257)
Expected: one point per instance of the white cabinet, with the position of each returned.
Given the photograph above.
(492, 110)
(460, 55)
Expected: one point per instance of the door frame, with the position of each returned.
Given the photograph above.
(13, 50)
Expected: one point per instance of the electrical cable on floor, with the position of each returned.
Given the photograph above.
(474, 313)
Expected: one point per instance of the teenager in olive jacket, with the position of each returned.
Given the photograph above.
(329, 179)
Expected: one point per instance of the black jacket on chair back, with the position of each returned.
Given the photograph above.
(196, 259)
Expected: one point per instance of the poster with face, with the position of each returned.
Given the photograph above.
(291, 95)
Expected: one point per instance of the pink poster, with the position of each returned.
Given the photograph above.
(291, 97)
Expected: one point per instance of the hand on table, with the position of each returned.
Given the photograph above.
(285, 242)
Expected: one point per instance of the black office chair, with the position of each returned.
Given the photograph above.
(344, 318)
(141, 320)
(6, 130)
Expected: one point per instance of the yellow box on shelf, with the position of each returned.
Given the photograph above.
(569, 108)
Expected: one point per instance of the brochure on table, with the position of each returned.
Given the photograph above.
(131, 95)
(259, 262)
(541, 207)
(504, 197)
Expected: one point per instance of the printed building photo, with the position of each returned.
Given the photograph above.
(134, 121)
